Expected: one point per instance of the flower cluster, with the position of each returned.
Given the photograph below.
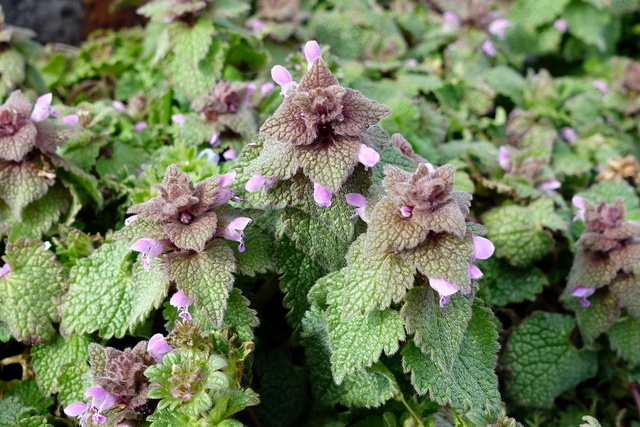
(189, 215)
(319, 128)
(608, 250)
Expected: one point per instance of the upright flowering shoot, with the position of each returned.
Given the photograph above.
(321, 129)
(186, 225)
(606, 265)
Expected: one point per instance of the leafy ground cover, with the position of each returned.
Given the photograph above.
(326, 212)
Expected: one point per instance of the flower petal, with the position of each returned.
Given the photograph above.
(178, 118)
(42, 109)
(357, 200)
(5, 269)
(504, 159)
(239, 223)
(281, 75)
(482, 247)
(227, 179)
(76, 409)
(180, 301)
(474, 272)
(157, 347)
(582, 292)
(71, 119)
(255, 183)
(367, 156)
(229, 154)
(140, 126)
(312, 51)
(443, 287)
(321, 195)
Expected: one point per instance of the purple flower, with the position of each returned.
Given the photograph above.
(257, 182)
(561, 25)
(229, 154)
(234, 231)
(140, 126)
(180, 301)
(406, 210)
(5, 269)
(149, 248)
(583, 293)
(482, 248)
(569, 134)
(101, 400)
(312, 51)
(214, 139)
(360, 202)
(498, 27)
(445, 289)
(578, 202)
(76, 409)
(451, 21)
(209, 154)
(281, 75)
(504, 159)
(131, 220)
(257, 25)
(602, 86)
(488, 48)
(42, 110)
(266, 88)
(474, 272)
(367, 156)
(549, 186)
(178, 118)
(321, 195)
(71, 119)
(157, 347)
(119, 106)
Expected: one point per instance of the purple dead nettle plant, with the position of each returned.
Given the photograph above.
(318, 135)
(608, 254)
(530, 168)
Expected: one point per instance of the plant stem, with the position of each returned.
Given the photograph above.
(633, 387)
(415, 416)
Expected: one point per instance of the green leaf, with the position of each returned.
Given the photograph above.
(518, 231)
(31, 291)
(373, 281)
(170, 418)
(37, 421)
(506, 284)
(506, 81)
(299, 273)
(5, 332)
(20, 185)
(258, 254)
(627, 291)
(624, 336)
(240, 317)
(438, 331)
(100, 293)
(28, 393)
(597, 318)
(12, 410)
(49, 360)
(39, 215)
(365, 388)
(150, 288)
(191, 43)
(71, 383)
(13, 65)
(587, 24)
(542, 361)
(205, 276)
(471, 382)
(533, 13)
(609, 191)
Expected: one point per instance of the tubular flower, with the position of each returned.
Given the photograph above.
(182, 303)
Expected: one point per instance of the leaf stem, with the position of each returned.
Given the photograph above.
(633, 387)
(415, 416)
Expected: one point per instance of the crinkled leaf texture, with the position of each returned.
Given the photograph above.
(31, 292)
(150, 288)
(100, 294)
(518, 232)
(504, 283)
(206, 276)
(438, 331)
(50, 360)
(598, 317)
(471, 382)
(624, 336)
(20, 184)
(373, 281)
(542, 362)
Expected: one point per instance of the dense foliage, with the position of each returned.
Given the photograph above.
(429, 219)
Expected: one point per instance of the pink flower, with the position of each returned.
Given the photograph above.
(214, 139)
(360, 202)
(42, 110)
(569, 134)
(234, 231)
(178, 118)
(451, 21)
(209, 154)
(498, 27)
(131, 220)
(445, 289)
(119, 106)
(488, 48)
(578, 202)
(602, 86)
(482, 248)
(224, 194)
(321, 195)
(312, 51)
(561, 25)
(583, 293)
(266, 88)
(5, 269)
(149, 248)
(257, 25)
(406, 210)
(281, 75)
(257, 182)
(549, 186)
(71, 119)
(180, 301)
(367, 156)
(157, 347)
(76, 409)
(140, 126)
(229, 154)
(504, 159)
